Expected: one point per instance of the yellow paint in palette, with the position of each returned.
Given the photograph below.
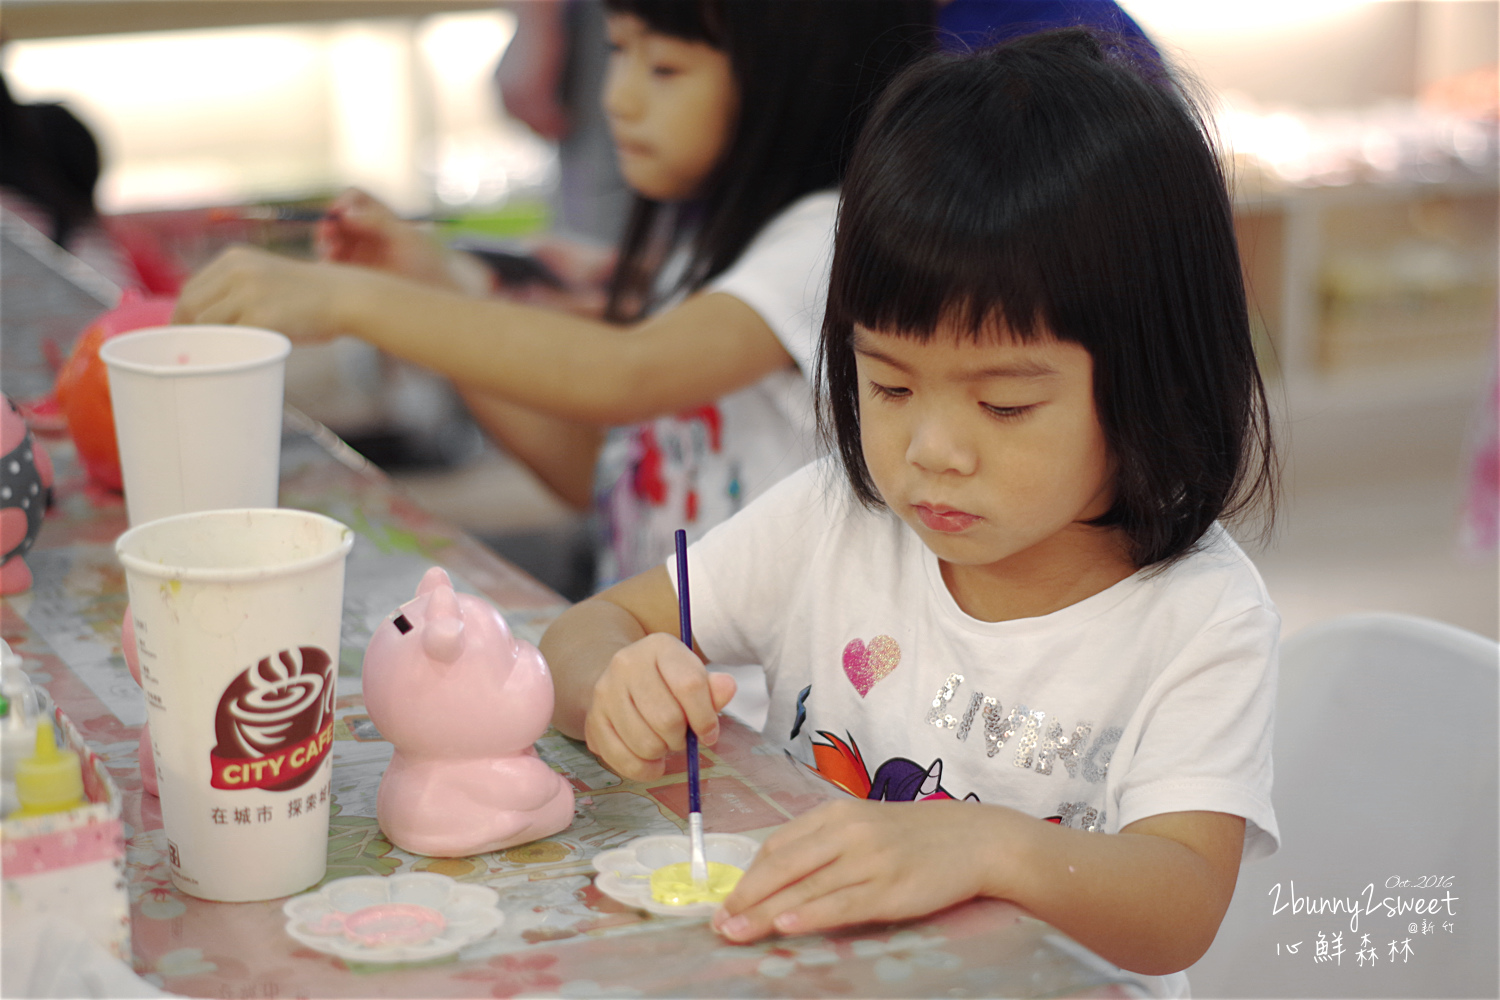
(673, 884)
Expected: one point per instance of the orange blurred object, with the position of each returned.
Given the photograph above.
(83, 384)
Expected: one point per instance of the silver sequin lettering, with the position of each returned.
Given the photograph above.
(1068, 750)
(1030, 721)
(997, 727)
(935, 715)
(1096, 761)
(976, 701)
(1089, 819)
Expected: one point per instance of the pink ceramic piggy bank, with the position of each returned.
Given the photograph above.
(462, 701)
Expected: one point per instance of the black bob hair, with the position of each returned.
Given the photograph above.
(1047, 186)
(807, 72)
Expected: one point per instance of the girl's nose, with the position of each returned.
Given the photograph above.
(938, 446)
(622, 92)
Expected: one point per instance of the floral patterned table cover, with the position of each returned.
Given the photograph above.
(561, 937)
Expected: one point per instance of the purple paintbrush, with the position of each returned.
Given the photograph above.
(699, 862)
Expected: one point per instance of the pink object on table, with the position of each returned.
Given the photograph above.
(82, 390)
(25, 489)
(384, 925)
(462, 700)
(147, 756)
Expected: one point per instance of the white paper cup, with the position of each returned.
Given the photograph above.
(198, 417)
(237, 620)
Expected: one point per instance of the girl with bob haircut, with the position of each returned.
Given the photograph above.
(733, 123)
(1004, 616)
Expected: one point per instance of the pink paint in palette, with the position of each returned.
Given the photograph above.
(410, 917)
(385, 925)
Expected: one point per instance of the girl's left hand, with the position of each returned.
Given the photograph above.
(246, 286)
(854, 862)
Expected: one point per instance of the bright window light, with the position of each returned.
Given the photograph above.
(1226, 17)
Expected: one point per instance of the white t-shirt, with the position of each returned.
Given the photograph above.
(693, 470)
(1156, 695)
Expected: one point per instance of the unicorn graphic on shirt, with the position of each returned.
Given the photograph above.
(895, 780)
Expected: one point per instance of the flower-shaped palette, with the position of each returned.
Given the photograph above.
(625, 873)
(404, 918)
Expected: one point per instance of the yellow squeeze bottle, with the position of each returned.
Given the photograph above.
(50, 781)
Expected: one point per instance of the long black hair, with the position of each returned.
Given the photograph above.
(807, 72)
(1049, 186)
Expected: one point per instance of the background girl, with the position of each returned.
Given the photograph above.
(732, 122)
(1008, 595)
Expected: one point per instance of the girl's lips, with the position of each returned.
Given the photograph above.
(944, 519)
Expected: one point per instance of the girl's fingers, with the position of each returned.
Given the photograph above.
(604, 742)
(802, 909)
(791, 855)
(205, 299)
(845, 905)
(819, 895)
(722, 689)
(670, 689)
(651, 692)
(640, 733)
(689, 684)
(622, 696)
(635, 733)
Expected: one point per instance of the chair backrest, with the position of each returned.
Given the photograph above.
(1386, 795)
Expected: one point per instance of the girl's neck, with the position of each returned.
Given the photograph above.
(1072, 566)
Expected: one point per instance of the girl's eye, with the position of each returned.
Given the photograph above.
(1008, 412)
(889, 391)
(664, 72)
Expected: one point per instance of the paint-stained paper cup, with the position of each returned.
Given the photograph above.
(198, 417)
(237, 618)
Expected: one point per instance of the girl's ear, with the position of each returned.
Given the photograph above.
(433, 579)
(443, 626)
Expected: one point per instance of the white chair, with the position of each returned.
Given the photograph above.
(1385, 755)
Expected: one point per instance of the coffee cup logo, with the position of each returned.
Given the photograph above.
(274, 722)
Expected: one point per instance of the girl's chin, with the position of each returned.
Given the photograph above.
(652, 185)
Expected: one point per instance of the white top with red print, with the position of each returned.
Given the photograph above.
(694, 469)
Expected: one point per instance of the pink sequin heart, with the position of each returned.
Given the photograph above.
(866, 665)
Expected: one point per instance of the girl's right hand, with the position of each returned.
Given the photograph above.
(248, 286)
(644, 701)
(358, 229)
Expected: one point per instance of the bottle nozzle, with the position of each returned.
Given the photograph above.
(50, 781)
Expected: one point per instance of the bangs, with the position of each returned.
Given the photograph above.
(923, 238)
(985, 195)
(690, 20)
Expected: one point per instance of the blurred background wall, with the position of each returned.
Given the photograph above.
(400, 104)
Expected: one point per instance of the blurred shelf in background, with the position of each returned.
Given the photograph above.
(1373, 276)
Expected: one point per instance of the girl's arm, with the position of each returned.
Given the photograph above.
(1149, 898)
(625, 683)
(562, 453)
(567, 366)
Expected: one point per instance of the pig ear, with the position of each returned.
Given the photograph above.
(433, 579)
(443, 625)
